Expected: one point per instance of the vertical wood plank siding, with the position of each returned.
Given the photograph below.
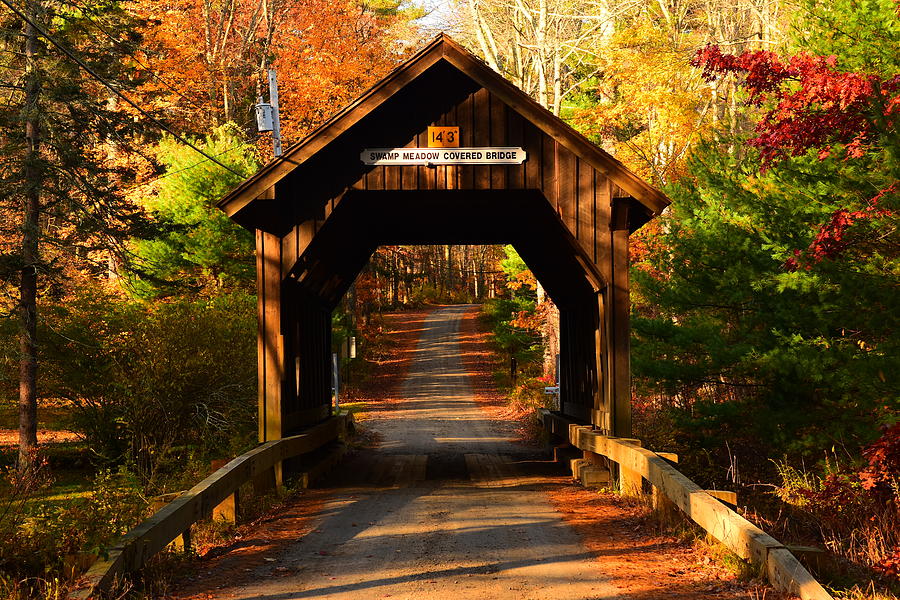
(294, 370)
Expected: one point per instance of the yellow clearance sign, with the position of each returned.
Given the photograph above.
(443, 137)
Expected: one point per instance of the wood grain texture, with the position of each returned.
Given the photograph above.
(482, 136)
(567, 186)
(273, 340)
(585, 209)
(465, 118)
(498, 138)
(515, 138)
(261, 335)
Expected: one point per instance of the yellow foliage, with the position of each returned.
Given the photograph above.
(652, 104)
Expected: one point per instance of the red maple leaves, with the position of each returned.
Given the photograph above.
(883, 455)
(814, 105)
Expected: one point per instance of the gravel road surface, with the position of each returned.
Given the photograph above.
(444, 509)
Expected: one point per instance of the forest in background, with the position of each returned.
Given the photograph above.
(765, 305)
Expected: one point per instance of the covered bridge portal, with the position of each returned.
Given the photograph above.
(319, 212)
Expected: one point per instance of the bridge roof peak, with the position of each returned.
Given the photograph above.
(442, 50)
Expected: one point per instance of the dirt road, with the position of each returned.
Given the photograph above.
(441, 510)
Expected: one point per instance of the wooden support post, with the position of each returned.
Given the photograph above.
(619, 325)
(228, 509)
(593, 458)
(729, 498)
(819, 562)
(630, 482)
(564, 452)
(183, 542)
(268, 480)
(271, 340)
(600, 411)
(547, 425)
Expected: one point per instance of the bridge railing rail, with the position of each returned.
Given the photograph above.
(739, 535)
(173, 520)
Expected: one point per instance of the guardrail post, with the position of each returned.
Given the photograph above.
(665, 508)
(228, 509)
(183, 542)
(547, 426)
(269, 479)
(630, 482)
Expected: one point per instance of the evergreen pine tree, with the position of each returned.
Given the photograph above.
(63, 162)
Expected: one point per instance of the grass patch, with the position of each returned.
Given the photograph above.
(55, 415)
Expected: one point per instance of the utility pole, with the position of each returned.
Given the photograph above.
(276, 118)
(267, 115)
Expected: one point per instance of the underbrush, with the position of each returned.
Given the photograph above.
(853, 511)
(849, 507)
(57, 535)
(516, 367)
(208, 537)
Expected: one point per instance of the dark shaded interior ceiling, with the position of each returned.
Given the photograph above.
(364, 220)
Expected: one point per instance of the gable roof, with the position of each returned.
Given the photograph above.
(443, 48)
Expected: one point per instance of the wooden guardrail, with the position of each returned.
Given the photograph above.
(739, 535)
(136, 547)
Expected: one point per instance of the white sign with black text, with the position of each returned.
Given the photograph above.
(443, 156)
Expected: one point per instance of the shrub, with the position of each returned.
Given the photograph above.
(501, 315)
(52, 533)
(152, 384)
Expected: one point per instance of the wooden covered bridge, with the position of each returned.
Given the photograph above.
(320, 211)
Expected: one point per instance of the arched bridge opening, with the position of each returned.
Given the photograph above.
(523, 218)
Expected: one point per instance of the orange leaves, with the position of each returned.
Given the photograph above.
(212, 56)
(327, 53)
(522, 279)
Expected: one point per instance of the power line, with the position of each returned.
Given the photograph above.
(181, 170)
(196, 164)
(123, 43)
(112, 88)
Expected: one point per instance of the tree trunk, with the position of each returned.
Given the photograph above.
(30, 258)
(448, 265)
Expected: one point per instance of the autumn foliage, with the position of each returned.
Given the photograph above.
(813, 105)
(214, 56)
(816, 105)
